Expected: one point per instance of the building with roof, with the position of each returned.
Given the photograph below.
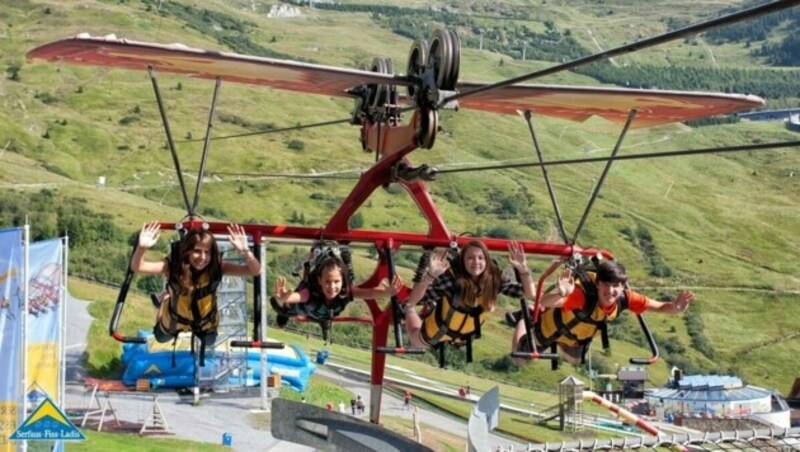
(715, 396)
(782, 114)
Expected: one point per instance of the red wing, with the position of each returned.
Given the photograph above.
(580, 103)
(180, 59)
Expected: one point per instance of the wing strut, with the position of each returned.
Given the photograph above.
(206, 144)
(600, 182)
(170, 142)
(556, 210)
(190, 207)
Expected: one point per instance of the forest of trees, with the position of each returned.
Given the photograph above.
(99, 250)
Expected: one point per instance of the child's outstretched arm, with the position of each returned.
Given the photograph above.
(286, 296)
(382, 290)
(148, 237)
(564, 286)
(677, 306)
(438, 264)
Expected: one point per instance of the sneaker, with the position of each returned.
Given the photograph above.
(281, 320)
(156, 300)
(512, 317)
(277, 306)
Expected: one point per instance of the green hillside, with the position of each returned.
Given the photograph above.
(725, 225)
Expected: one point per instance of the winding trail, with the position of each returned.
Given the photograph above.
(599, 47)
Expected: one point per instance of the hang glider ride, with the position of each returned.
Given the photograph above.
(431, 82)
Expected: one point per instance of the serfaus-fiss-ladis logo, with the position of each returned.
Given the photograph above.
(47, 423)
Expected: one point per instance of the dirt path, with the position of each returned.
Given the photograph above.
(599, 47)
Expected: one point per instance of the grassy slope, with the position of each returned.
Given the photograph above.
(718, 221)
(132, 443)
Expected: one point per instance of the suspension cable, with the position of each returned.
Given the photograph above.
(342, 175)
(265, 132)
(170, 142)
(746, 147)
(206, 146)
(635, 46)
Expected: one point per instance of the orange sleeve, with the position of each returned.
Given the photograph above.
(575, 301)
(637, 302)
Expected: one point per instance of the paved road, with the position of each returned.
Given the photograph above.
(217, 414)
(394, 406)
(208, 422)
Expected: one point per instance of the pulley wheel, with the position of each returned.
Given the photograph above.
(440, 57)
(417, 58)
(452, 76)
(380, 93)
(428, 124)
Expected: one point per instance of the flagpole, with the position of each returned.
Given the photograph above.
(26, 237)
(63, 339)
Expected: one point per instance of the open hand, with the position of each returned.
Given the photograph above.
(149, 234)
(397, 285)
(566, 282)
(682, 300)
(516, 256)
(281, 291)
(439, 263)
(237, 238)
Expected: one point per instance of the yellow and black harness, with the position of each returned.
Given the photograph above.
(454, 320)
(194, 310)
(314, 308)
(577, 328)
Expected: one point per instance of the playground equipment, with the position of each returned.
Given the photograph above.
(168, 366)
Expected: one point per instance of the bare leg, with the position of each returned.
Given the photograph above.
(572, 355)
(516, 339)
(413, 327)
(519, 334)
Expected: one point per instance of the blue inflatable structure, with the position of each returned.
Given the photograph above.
(166, 367)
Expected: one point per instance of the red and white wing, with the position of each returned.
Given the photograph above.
(580, 103)
(566, 102)
(180, 59)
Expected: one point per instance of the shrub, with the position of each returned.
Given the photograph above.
(501, 364)
(356, 221)
(296, 145)
(46, 98)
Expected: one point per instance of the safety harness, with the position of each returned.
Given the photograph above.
(452, 319)
(573, 324)
(315, 308)
(195, 311)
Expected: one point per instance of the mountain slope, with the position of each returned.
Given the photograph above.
(725, 224)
